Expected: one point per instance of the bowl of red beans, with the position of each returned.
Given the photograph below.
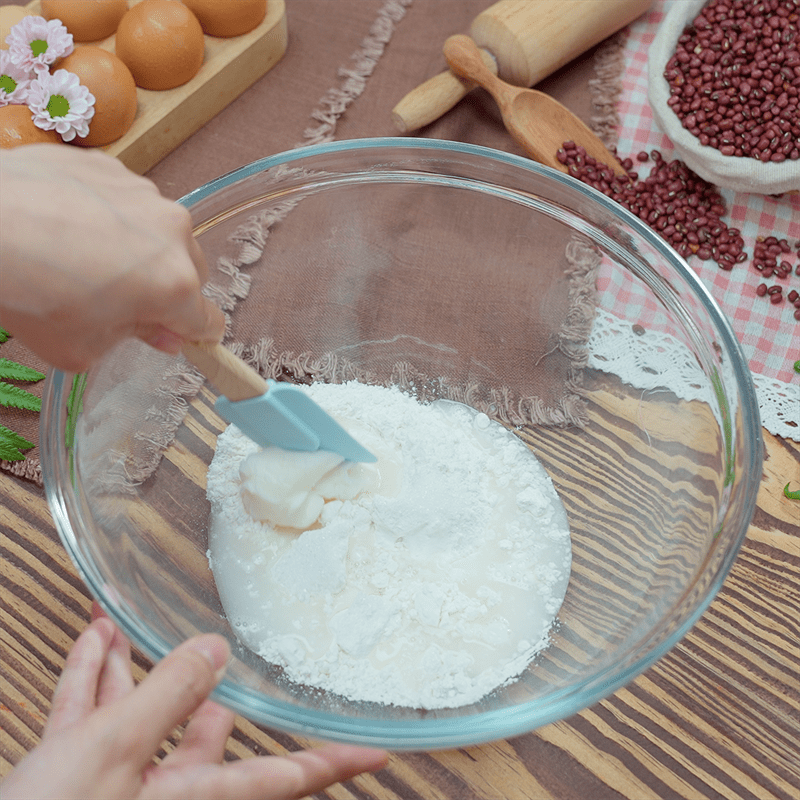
(724, 85)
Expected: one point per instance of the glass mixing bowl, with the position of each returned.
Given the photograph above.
(645, 416)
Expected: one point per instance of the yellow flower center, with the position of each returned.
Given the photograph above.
(58, 106)
(38, 46)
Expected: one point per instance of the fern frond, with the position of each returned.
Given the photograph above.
(14, 397)
(12, 445)
(13, 371)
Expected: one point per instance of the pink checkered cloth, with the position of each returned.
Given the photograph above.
(769, 335)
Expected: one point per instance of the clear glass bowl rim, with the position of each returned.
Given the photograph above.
(428, 733)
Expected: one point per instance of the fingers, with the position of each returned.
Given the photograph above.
(160, 338)
(322, 766)
(189, 314)
(288, 777)
(334, 763)
(205, 737)
(171, 306)
(209, 326)
(195, 317)
(173, 690)
(199, 258)
(116, 679)
(75, 696)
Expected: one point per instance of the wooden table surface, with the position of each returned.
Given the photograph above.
(717, 717)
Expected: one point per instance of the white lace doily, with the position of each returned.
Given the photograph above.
(652, 360)
(779, 404)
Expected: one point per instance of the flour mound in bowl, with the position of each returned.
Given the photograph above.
(427, 580)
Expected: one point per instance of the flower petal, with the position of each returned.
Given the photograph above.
(80, 104)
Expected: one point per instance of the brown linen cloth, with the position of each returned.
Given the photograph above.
(347, 64)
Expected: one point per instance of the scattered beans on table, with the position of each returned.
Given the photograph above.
(735, 78)
(678, 204)
(686, 211)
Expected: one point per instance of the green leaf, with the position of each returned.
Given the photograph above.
(74, 407)
(12, 444)
(14, 397)
(13, 371)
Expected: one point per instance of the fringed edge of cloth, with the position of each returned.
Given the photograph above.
(606, 88)
(354, 76)
(499, 403)
(30, 469)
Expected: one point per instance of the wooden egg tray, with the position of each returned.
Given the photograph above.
(167, 118)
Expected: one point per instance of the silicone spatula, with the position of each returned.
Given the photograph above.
(272, 414)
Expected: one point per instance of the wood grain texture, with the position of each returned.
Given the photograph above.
(717, 717)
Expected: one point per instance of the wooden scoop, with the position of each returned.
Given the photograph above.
(539, 123)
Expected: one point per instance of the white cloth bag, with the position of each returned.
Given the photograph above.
(727, 172)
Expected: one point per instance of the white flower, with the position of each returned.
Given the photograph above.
(34, 43)
(60, 103)
(14, 81)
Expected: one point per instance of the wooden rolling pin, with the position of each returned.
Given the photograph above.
(523, 41)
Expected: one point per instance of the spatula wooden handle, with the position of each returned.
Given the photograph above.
(232, 377)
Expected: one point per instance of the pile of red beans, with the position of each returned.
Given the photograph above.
(735, 78)
(678, 204)
(687, 212)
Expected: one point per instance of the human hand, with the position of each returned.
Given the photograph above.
(102, 733)
(92, 253)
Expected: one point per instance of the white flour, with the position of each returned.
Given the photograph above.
(435, 585)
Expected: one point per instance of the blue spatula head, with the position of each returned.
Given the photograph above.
(285, 416)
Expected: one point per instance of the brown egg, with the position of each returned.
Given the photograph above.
(114, 90)
(86, 20)
(226, 18)
(161, 42)
(9, 17)
(17, 128)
